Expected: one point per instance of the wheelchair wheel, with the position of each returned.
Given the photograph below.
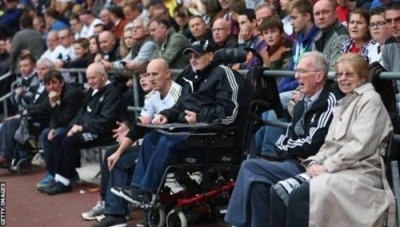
(24, 166)
(157, 216)
(176, 218)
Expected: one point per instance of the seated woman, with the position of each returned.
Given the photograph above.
(345, 183)
(360, 37)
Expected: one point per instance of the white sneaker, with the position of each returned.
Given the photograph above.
(97, 210)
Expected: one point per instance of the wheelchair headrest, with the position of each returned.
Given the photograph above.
(230, 55)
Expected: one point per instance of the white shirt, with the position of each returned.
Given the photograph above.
(53, 55)
(88, 31)
(154, 103)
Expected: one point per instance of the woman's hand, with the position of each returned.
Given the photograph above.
(316, 170)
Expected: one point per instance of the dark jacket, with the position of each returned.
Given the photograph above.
(211, 93)
(316, 124)
(385, 89)
(39, 110)
(67, 108)
(29, 90)
(99, 112)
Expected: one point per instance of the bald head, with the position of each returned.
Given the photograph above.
(107, 41)
(96, 76)
(220, 30)
(160, 75)
(324, 14)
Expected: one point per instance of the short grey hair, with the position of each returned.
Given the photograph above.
(321, 63)
(47, 62)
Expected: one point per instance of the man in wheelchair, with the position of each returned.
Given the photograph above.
(211, 95)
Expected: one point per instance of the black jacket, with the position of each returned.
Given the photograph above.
(316, 124)
(211, 93)
(99, 112)
(66, 109)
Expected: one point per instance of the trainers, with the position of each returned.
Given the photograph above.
(118, 190)
(111, 221)
(47, 180)
(143, 223)
(96, 211)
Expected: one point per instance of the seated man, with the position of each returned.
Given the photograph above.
(27, 82)
(210, 95)
(65, 101)
(37, 110)
(119, 134)
(164, 95)
(249, 203)
(92, 126)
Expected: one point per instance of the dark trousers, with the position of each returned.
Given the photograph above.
(296, 214)
(7, 142)
(70, 153)
(105, 172)
(120, 176)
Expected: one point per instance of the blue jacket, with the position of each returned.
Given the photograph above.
(302, 44)
(10, 19)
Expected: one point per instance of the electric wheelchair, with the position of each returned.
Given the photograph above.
(206, 175)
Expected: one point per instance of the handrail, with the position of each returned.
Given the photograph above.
(176, 72)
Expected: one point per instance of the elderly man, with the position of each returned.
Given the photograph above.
(216, 100)
(170, 44)
(332, 33)
(198, 29)
(221, 33)
(142, 49)
(108, 47)
(249, 204)
(165, 94)
(92, 126)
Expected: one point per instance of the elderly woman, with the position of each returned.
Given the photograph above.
(345, 183)
(360, 37)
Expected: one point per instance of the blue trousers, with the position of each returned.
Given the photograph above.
(50, 148)
(157, 152)
(250, 203)
(120, 177)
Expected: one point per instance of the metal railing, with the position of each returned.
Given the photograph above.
(175, 73)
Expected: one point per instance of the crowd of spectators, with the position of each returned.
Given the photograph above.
(113, 41)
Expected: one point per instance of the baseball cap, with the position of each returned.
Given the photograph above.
(199, 47)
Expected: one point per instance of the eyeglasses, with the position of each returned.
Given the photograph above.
(378, 24)
(301, 72)
(218, 29)
(348, 75)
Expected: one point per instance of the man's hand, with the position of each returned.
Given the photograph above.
(316, 170)
(145, 119)
(112, 160)
(296, 95)
(75, 129)
(159, 119)
(131, 65)
(120, 132)
(51, 134)
(18, 90)
(53, 98)
(190, 117)
(106, 64)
